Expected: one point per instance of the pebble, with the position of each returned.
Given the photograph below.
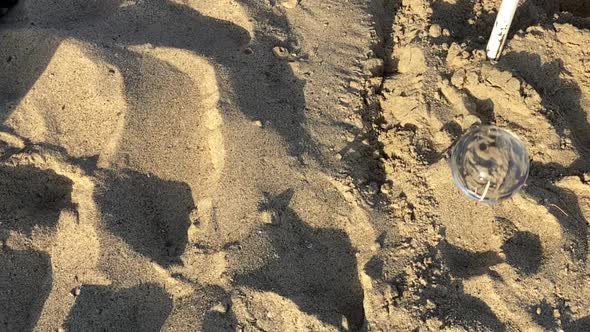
(289, 4)
(266, 217)
(458, 78)
(538, 310)
(76, 291)
(258, 123)
(479, 54)
(345, 324)
(280, 52)
(355, 85)
(375, 247)
(435, 31)
(220, 307)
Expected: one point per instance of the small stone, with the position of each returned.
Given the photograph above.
(435, 31)
(479, 54)
(76, 291)
(266, 217)
(375, 247)
(345, 324)
(258, 123)
(538, 310)
(338, 156)
(248, 51)
(192, 233)
(289, 4)
(430, 304)
(220, 307)
(280, 52)
(446, 32)
(458, 78)
(355, 85)
(556, 314)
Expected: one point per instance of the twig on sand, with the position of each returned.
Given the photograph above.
(560, 209)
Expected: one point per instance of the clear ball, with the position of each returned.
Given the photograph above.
(489, 164)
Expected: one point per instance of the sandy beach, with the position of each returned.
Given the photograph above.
(283, 165)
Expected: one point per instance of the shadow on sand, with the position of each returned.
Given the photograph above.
(150, 214)
(562, 102)
(315, 268)
(25, 284)
(101, 308)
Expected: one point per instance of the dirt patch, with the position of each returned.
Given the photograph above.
(458, 253)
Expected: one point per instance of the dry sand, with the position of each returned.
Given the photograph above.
(281, 165)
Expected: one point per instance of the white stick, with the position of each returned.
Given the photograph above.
(501, 28)
(485, 192)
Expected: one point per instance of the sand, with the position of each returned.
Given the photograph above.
(282, 165)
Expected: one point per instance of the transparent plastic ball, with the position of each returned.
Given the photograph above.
(489, 164)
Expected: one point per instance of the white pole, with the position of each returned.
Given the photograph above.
(501, 28)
